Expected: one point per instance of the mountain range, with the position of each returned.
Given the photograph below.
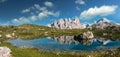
(75, 24)
(67, 24)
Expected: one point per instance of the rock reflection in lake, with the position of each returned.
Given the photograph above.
(68, 43)
(77, 40)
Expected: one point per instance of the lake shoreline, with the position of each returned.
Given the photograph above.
(22, 52)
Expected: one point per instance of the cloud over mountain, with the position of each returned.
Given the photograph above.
(98, 11)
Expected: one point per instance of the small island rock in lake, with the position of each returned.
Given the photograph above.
(86, 35)
(5, 52)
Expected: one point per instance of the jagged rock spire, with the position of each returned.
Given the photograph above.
(68, 24)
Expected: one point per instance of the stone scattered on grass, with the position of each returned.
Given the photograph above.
(5, 52)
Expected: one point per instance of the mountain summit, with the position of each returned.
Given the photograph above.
(103, 23)
(103, 20)
(67, 24)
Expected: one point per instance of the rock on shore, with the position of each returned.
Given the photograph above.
(5, 52)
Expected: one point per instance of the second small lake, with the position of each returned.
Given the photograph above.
(67, 43)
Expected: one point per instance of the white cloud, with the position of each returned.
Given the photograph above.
(48, 4)
(25, 10)
(20, 20)
(81, 2)
(43, 14)
(98, 11)
(33, 18)
(23, 20)
(43, 8)
(77, 8)
(42, 11)
(2, 1)
(37, 13)
(48, 13)
(37, 6)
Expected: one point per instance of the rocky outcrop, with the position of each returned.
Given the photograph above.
(67, 24)
(5, 52)
(88, 35)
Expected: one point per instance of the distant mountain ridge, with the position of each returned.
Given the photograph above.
(103, 23)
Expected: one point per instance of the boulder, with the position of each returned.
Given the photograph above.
(5, 52)
(9, 36)
(0, 36)
(89, 35)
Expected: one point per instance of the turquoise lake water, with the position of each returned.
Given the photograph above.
(67, 43)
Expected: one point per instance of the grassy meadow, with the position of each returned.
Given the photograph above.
(29, 31)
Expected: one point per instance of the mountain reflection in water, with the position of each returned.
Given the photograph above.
(67, 43)
(77, 40)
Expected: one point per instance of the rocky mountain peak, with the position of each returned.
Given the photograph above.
(68, 24)
(103, 20)
(76, 20)
(103, 23)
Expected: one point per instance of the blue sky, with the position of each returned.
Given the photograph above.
(43, 12)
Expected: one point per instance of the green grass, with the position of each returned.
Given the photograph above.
(110, 35)
(32, 52)
(29, 31)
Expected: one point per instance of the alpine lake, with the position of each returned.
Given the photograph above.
(67, 44)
